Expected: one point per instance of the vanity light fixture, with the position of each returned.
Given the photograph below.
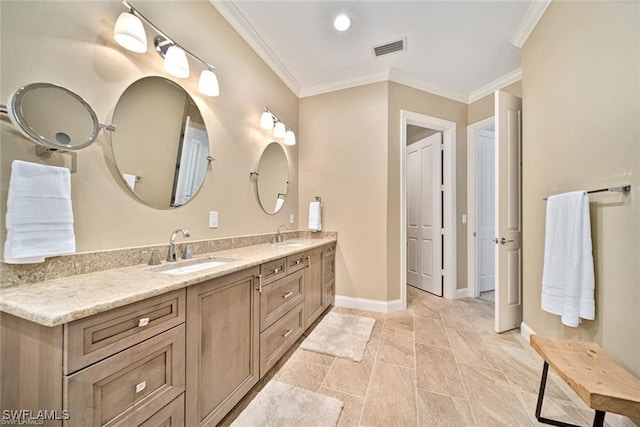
(269, 121)
(129, 33)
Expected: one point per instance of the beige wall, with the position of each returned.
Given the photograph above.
(343, 159)
(484, 107)
(405, 98)
(71, 43)
(581, 87)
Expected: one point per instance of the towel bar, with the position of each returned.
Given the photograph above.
(624, 189)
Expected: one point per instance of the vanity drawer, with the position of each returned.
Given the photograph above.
(329, 268)
(279, 297)
(279, 337)
(295, 262)
(171, 415)
(128, 388)
(273, 270)
(94, 338)
(330, 249)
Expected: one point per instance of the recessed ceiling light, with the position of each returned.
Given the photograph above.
(342, 22)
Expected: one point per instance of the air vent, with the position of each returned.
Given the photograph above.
(388, 48)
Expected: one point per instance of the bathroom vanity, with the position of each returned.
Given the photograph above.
(176, 344)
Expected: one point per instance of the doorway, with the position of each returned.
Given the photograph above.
(505, 148)
(448, 196)
(481, 160)
(425, 241)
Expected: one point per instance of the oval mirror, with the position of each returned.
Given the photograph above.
(53, 116)
(161, 146)
(272, 181)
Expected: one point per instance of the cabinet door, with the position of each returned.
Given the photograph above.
(222, 345)
(313, 295)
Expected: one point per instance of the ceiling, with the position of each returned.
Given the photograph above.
(454, 48)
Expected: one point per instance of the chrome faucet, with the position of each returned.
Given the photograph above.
(172, 256)
(279, 237)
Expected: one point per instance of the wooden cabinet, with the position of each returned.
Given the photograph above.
(329, 275)
(129, 387)
(222, 345)
(121, 367)
(313, 296)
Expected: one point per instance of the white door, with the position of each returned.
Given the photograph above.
(485, 210)
(424, 215)
(193, 162)
(508, 241)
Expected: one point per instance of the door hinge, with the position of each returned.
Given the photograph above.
(442, 188)
(442, 273)
(441, 147)
(442, 231)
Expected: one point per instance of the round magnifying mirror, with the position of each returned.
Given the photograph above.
(53, 116)
(273, 178)
(161, 146)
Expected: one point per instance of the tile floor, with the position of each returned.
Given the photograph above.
(439, 363)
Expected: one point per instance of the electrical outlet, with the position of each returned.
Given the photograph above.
(291, 219)
(464, 218)
(213, 219)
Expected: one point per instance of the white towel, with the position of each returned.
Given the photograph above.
(315, 216)
(130, 180)
(568, 280)
(39, 216)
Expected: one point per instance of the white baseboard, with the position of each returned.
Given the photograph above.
(461, 293)
(368, 304)
(526, 331)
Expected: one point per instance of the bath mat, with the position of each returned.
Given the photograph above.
(341, 335)
(283, 405)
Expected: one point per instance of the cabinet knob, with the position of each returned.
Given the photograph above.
(287, 333)
(141, 386)
(287, 295)
(143, 322)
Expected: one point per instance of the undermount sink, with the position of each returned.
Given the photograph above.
(197, 266)
(293, 244)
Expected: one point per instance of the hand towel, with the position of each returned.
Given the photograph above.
(130, 180)
(279, 202)
(568, 280)
(315, 216)
(39, 218)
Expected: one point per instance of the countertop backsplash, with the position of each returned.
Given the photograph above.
(91, 262)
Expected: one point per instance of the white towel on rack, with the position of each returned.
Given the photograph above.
(130, 180)
(39, 218)
(568, 280)
(315, 216)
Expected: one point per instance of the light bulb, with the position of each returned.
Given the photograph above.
(342, 22)
(208, 83)
(279, 130)
(175, 62)
(266, 120)
(129, 33)
(290, 138)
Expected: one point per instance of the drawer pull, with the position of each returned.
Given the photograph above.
(141, 386)
(259, 289)
(297, 262)
(308, 262)
(143, 322)
(287, 295)
(287, 333)
(276, 271)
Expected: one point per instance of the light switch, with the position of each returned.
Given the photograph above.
(291, 219)
(213, 219)
(464, 218)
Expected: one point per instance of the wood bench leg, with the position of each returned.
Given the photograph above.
(598, 420)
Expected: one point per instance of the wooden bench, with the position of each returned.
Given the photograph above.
(599, 381)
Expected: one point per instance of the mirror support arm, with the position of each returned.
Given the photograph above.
(46, 152)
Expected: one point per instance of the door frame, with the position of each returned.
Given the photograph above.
(448, 130)
(473, 132)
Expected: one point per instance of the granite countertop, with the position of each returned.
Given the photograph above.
(58, 301)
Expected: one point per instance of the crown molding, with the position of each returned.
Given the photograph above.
(407, 79)
(495, 85)
(239, 23)
(343, 84)
(529, 22)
